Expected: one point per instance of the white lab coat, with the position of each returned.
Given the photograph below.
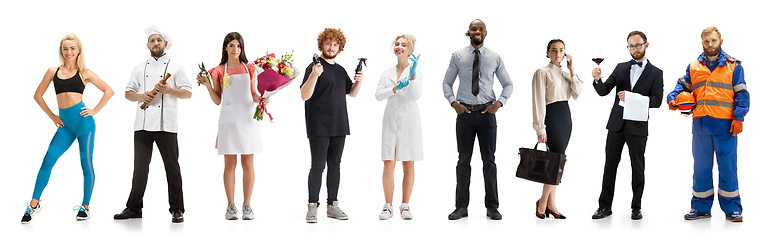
(402, 133)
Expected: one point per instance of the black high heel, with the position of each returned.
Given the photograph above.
(538, 214)
(554, 214)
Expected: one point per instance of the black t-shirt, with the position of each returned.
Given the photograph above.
(326, 112)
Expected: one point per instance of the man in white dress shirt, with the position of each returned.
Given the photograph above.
(158, 122)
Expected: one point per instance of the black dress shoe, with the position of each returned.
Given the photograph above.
(602, 213)
(177, 216)
(127, 214)
(493, 214)
(458, 214)
(636, 214)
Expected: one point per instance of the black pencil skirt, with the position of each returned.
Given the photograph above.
(558, 122)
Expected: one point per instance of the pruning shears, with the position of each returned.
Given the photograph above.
(202, 71)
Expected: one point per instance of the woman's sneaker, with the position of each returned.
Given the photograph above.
(405, 211)
(387, 212)
(247, 212)
(83, 213)
(30, 212)
(333, 211)
(231, 212)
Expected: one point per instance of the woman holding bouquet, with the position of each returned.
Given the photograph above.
(234, 88)
(552, 88)
(401, 138)
(75, 120)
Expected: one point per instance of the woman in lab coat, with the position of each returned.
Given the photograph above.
(402, 139)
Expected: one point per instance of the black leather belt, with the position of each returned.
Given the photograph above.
(477, 108)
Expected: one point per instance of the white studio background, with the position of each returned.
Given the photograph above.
(112, 35)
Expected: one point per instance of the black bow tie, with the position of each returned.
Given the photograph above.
(632, 62)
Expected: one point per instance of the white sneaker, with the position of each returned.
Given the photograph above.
(312, 213)
(387, 212)
(405, 211)
(83, 213)
(30, 213)
(247, 212)
(231, 212)
(333, 211)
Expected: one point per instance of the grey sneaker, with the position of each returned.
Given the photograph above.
(405, 211)
(231, 212)
(312, 213)
(387, 212)
(29, 214)
(333, 211)
(247, 212)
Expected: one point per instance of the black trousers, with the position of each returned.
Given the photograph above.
(325, 151)
(481, 126)
(636, 147)
(168, 147)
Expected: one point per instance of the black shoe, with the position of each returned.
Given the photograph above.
(636, 214)
(177, 216)
(493, 214)
(127, 214)
(458, 214)
(602, 213)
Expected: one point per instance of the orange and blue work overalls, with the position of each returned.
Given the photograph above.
(721, 96)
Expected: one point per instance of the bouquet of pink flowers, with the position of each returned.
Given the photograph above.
(275, 74)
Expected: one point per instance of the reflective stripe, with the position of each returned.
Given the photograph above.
(705, 83)
(686, 84)
(703, 194)
(727, 194)
(739, 87)
(716, 103)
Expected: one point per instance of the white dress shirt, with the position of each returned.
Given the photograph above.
(635, 72)
(162, 113)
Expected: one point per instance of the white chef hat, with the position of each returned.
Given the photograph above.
(156, 30)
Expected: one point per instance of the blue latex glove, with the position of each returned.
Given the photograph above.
(413, 65)
(403, 83)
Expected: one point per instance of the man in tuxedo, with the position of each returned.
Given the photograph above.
(642, 81)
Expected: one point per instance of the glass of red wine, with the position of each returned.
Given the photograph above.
(598, 57)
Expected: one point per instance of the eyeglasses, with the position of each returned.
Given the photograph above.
(637, 46)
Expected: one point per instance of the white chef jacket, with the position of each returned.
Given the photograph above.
(162, 113)
(401, 119)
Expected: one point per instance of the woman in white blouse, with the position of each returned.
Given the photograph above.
(402, 139)
(552, 88)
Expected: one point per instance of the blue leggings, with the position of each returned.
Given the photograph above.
(76, 126)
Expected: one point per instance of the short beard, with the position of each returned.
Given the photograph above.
(327, 56)
(477, 42)
(158, 54)
(638, 55)
(713, 52)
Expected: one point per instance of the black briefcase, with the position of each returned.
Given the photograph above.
(541, 166)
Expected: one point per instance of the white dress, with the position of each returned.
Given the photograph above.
(402, 132)
(238, 132)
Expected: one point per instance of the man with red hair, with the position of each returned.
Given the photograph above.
(717, 81)
(326, 115)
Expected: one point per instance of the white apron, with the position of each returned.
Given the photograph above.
(238, 132)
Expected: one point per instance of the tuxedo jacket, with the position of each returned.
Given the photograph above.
(649, 84)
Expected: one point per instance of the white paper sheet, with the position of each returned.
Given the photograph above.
(635, 107)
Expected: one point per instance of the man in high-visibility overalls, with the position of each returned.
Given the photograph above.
(717, 82)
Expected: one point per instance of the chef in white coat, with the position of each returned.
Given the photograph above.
(402, 140)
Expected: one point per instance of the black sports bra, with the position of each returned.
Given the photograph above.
(72, 84)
